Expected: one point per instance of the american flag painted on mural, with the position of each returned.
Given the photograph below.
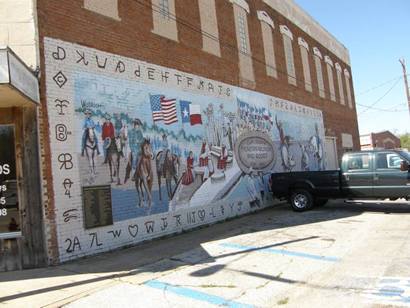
(163, 109)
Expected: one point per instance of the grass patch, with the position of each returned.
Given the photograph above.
(283, 301)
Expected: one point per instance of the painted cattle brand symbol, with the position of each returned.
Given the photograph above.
(62, 132)
(60, 79)
(66, 160)
(94, 240)
(70, 214)
(164, 224)
(133, 230)
(59, 54)
(67, 183)
(212, 213)
(149, 225)
(115, 233)
(82, 58)
(201, 214)
(177, 220)
(61, 104)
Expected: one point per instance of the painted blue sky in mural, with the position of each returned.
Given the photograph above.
(133, 98)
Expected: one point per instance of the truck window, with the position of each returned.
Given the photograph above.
(388, 161)
(359, 162)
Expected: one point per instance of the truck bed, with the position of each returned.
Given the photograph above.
(326, 184)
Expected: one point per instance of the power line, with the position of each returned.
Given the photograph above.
(393, 110)
(379, 99)
(230, 46)
(379, 86)
(185, 23)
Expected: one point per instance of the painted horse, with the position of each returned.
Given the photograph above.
(114, 154)
(90, 148)
(168, 171)
(144, 175)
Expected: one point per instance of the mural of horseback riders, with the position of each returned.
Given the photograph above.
(89, 143)
(144, 175)
(156, 167)
(91, 149)
(168, 170)
(112, 144)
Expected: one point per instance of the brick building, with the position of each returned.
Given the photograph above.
(381, 140)
(144, 107)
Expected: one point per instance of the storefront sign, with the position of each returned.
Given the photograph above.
(255, 152)
(9, 205)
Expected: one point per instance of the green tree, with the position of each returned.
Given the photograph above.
(405, 141)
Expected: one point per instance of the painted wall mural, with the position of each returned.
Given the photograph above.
(140, 151)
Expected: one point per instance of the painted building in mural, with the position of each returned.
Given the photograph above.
(135, 144)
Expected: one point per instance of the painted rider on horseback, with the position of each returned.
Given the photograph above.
(88, 123)
(107, 134)
(135, 139)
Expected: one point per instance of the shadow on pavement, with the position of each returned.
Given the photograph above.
(185, 249)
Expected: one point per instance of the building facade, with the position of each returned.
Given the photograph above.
(381, 140)
(159, 116)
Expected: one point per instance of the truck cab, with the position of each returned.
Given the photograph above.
(376, 174)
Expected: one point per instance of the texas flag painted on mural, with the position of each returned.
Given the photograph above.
(190, 113)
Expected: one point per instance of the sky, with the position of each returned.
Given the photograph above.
(377, 34)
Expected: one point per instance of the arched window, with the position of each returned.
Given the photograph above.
(268, 44)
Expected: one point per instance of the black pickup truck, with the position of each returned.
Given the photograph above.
(376, 174)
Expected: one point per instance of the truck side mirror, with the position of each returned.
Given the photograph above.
(404, 166)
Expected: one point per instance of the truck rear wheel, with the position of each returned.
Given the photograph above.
(301, 200)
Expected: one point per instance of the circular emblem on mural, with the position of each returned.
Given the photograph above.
(255, 150)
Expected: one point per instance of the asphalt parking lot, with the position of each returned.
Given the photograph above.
(340, 255)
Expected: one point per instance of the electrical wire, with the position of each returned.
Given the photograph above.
(379, 86)
(185, 23)
(379, 99)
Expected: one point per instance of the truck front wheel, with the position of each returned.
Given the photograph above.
(301, 200)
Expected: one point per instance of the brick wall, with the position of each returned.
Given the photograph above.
(131, 36)
(385, 140)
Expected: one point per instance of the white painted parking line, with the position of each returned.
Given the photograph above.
(391, 291)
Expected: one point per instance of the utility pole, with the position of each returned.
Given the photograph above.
(406, 84)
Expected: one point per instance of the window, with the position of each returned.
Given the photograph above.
(348, 89)
(268, 45)
(340, 83)
(290, 64)
(242, 34)
(108, 8)
(319, 74)
(163, 12)
(358, 162)
(388, 161)
(304, 49)
(246, 73)
(209, 27)
(329, 65)
(164, 8)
